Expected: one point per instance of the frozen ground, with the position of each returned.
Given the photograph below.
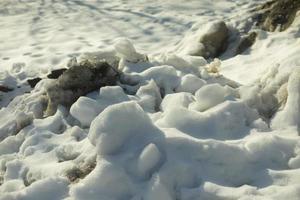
(188, 128)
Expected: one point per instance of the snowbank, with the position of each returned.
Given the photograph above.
(175, 126)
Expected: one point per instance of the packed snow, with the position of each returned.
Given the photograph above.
(175, 126)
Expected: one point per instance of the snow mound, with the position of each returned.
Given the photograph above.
(290, 114)
(116, 125)
(209, 41)
(148, 159)
(209, 96)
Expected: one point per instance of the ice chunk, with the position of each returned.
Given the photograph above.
(85, 110)
(176, 100)
(190, 83)
(164, 76)
(148, 159)
(149, 95)
(126, 50)
(112, 95)
(209, 96)
(290, 115)
(117, 125)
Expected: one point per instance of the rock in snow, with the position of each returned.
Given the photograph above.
(208, 42)
(79, 80)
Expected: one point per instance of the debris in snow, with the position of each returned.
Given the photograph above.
(277, 14)
(5, 88)
(76, 173)
(32, 82)
(208, 42)
(79, 80)
(246, 42)
(56, 73)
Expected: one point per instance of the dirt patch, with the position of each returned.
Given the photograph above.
(246, 42)
(278, 14)
(77, 173)
(214, 42)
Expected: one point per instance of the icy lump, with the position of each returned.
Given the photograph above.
(122, 124)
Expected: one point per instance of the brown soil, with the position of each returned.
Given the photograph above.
(277, 14)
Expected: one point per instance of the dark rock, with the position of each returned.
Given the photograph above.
(79, 80)
(33, 82)
(215, 41)
(4, 88)
(246, 42)
(56, 73)
(72, 62)
(279, 13)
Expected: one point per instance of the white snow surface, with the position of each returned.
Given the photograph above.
(177, 127)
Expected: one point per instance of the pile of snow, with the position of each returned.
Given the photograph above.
(163, 133)
(173, 127)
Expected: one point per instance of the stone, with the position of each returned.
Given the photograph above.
(246, 42)
(214, 41)
(79, 80)
(56, 73)
(33, 82)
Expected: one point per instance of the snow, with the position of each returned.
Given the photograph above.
(148, 159)
(126, 50)
(106, 181)
(119, 125)
(290, 115)
(190, 83)
(175, 126)
(209, 96)
(52, 188)
(176, 100)
(84, 110)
